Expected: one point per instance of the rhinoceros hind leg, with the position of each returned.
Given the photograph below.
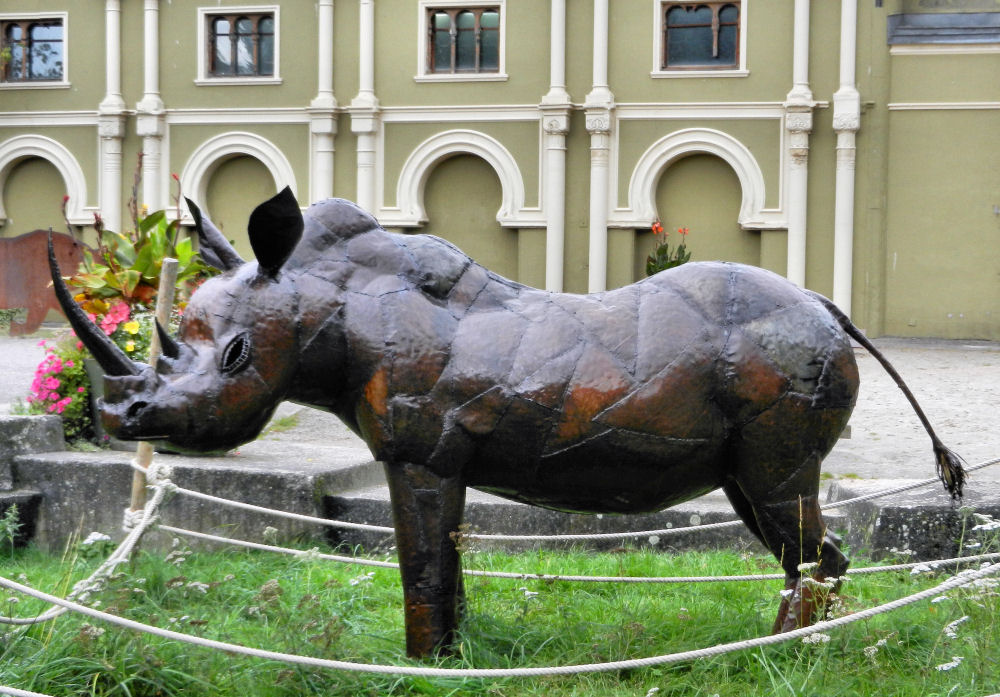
(427, 509)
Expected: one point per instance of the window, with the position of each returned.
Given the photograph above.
(32, 50)
(702, 36)
(239, 45)
(460, 41)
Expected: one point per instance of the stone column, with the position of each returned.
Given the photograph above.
(798, 125)
(555, 109)
(322, 111)
(150, 122)
(364, 110)
(599, 107)
(846, 123)
(111, 121)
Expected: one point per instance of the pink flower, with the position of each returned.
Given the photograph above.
(69, 363)
(81, 389)
(79, 346)
(52, 383)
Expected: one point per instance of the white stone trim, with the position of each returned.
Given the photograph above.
(659, 72)
(18, 148)
(213, 152)
(238, 116)
(642, 186)
(409, 210)
(422, 75)
(42, 84)
(943, 106)
(203, 79)
(942, 49)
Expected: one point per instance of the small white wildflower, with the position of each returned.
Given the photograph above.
(198, 586)
(13, 601)
(986, 522)
(654, 540)
(357, 580)
(90, 631)
(941, 598)
(807, 567)
(95, 537)
(817, 638)
(973, 545)
(310, 554)
(786, 593)
(951, 627)
(920, 569)
(527, 593)
(953, 663)
(870, 652)
(270, 533)
(652, 691)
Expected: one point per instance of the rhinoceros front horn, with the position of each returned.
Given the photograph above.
(112, 359)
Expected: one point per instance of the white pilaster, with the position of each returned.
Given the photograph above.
(364, 109)
(150, 124)
(598, 107)
(111, 121)
(798, 125)
(322, 111)
(846, 123)
(555, 108)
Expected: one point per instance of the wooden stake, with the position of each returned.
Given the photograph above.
(164, 304)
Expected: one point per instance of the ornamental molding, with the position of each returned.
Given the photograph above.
(18, 148)
(664, 152)
(410, 211)
(207, 157)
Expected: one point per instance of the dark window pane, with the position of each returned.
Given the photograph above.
(46, 61)
(244, 55)
(442, 43)
(14, 32)
(689, 46)
(465, 46)
(266, 54)
(729, 13)
(678, 16)
(489, 58)
(727, 45)
(244, 25)
(223, 51)
(490, 20)
(266, 25)
(15, 70)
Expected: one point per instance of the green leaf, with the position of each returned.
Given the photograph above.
(152, 220)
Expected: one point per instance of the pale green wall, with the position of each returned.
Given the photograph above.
(461, 198)
(943, 245)
(32, 197)
(519, 138)
(237, 187)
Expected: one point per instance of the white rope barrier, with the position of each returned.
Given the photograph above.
(95, 582)
(521, 576)
(560, 537)
(14, 692)
(962, 579)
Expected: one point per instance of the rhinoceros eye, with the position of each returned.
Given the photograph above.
(236, 356)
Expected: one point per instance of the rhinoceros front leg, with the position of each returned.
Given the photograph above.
(426, 509)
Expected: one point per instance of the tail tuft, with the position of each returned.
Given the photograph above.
(949, 467)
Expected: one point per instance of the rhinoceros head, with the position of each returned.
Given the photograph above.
(216, 386)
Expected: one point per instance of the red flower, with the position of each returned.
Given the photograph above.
(174, 176)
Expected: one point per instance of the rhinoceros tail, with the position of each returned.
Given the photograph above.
(949, 463)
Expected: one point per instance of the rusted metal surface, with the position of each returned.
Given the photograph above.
(24, 275)
(705, 376)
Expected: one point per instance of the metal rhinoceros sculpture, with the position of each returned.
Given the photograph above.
(705, 376)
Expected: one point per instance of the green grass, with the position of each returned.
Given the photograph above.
(347, 612)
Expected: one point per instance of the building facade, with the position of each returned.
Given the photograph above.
(850, 145)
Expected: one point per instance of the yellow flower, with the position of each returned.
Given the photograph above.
(130, 346)
(132, 327)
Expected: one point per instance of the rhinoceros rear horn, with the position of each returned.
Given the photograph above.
(275, 228)
(212, 244)
(112, 359)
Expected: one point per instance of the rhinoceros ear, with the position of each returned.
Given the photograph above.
(275, 228)
(212, 244)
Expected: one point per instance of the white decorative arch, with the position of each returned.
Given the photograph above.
(216, 150)
(689, 141)
(18, 148)
(417, 168)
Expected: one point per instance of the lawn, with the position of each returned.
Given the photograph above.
(313, 607)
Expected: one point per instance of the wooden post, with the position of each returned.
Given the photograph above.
(164, 303)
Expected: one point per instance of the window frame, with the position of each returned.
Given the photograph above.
(660, 8)
(206, 15)
(34, 17)
(424, 46)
